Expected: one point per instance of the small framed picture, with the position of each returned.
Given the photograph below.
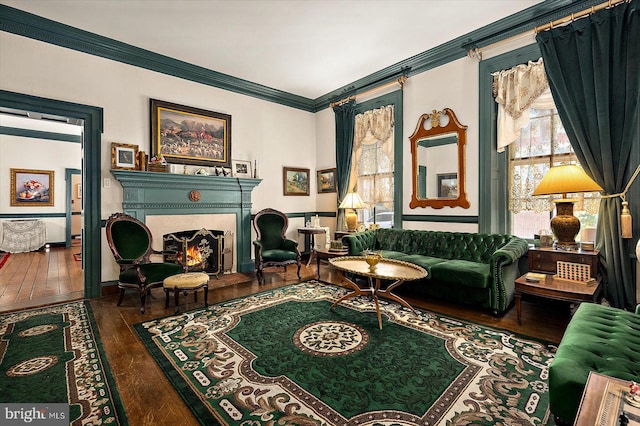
(448, 185)
(295, 181)
(31, 187)
(326, 180)
(241, 168)
(79, 191)
(124, 156)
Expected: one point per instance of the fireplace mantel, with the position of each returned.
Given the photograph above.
(153, 193)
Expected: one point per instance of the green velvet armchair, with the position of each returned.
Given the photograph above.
(130, 242)
(271, 246)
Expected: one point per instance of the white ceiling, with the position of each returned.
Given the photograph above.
(305, 47)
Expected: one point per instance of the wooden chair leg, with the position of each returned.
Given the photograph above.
(166, 298)
(206, 295)
(176, 299)
(121, 297)
(143, 301)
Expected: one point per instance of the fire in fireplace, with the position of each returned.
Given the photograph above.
(199, 250)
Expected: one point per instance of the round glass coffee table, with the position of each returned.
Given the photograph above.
(387, 269)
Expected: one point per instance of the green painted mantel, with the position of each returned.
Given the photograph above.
(153, 193)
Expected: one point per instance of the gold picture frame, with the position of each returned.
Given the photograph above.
(124, 156)
(32, 188)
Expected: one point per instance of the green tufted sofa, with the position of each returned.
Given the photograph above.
(477, 269)
(598, 338)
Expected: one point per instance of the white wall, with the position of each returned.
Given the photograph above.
(272, 134)
(36, 154)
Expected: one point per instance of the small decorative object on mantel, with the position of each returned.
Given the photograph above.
(241, 168)
(124, 156)
(142, 161)
(157, 164)
(202, 172)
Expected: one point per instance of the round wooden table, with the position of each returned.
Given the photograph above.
(387, 269)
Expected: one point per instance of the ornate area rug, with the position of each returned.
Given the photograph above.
(283, 357)
(54, 355)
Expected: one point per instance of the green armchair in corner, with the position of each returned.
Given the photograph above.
(271, 246)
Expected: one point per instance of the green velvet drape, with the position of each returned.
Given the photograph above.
(593, 68)
(345, 120)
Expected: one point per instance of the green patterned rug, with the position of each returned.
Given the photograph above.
(283, 357)
(53, 355)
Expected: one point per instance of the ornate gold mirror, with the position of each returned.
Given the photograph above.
(437, 151)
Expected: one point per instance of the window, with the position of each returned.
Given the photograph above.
(542, 143)
(373, 163)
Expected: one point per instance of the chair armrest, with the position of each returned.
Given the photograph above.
(290, 245)
(638, 310)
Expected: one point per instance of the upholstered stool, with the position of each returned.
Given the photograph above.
(191, 281)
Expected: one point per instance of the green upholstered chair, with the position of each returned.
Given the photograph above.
(130, 242)
(272, 248)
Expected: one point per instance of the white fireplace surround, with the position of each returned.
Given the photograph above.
(166, 224)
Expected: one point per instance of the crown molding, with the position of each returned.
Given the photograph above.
(32, 26)
(22, 23)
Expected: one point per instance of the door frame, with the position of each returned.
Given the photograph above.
(68, 173)
(92, 117)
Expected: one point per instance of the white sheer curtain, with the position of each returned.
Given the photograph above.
(372, 169)
(516, 91)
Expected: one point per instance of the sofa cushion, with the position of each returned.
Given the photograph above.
(425, 261)
(470, 274)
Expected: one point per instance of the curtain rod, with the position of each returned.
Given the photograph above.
(400, 80)
(476, 53)
(578, 15)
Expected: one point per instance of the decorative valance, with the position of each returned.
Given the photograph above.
(516, 91)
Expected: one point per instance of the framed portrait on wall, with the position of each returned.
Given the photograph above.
(31, 187)
(188, 135)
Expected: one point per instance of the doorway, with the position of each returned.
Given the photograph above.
(92, 123)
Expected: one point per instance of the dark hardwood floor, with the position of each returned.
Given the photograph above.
(150, 399)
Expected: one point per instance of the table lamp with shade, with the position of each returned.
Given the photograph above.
(565, 179)
(352, 202)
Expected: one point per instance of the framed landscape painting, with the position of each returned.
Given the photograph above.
(295, 181)
(326, 180)
(448, 185)
(187, 135)
(31, 187)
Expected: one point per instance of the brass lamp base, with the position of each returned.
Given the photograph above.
(565, 225)
(352, 220)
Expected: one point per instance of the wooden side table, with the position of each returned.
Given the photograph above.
(312, 232)
(600, 404)
(545, 259)
(556, 289)
(322, 254)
